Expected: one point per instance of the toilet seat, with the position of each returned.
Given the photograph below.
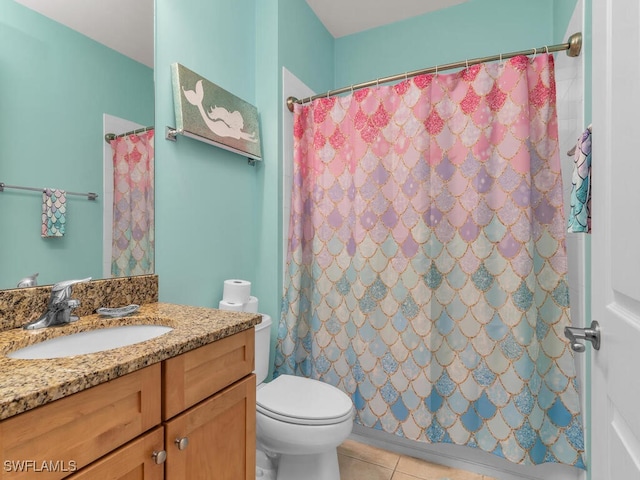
(303, 401)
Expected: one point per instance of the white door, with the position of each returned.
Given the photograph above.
(615, 255)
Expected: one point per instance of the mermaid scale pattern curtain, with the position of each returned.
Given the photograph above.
(427, 266)
(133, 246)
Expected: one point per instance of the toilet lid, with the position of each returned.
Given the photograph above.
(303, 401)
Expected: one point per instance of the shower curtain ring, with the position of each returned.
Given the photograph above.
(546, 49)
(467, 62)
(436, 70)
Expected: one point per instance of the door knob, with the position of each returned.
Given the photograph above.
(591, 333)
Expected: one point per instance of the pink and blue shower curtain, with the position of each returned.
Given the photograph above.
(133, 244)
(427, 272)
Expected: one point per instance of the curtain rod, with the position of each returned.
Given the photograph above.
(573, 47)
(112, 136)
(89, 195)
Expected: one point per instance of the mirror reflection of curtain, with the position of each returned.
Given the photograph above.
(133, 204)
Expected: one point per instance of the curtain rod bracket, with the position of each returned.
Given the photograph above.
(575, 45)
(290, 102)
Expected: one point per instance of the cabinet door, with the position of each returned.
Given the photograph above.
(195, 375)
(133, 461)
(221, 437)
(50, 441)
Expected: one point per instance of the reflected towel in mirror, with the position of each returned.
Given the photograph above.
(54, 209)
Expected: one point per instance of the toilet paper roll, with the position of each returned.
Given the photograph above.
(252, 305)
(237, 291)
(232, 306)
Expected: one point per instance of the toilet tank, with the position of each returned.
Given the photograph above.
(263, 344)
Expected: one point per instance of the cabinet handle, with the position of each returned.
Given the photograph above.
(159, 456)
(182, 443)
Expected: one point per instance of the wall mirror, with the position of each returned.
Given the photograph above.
(57, 86)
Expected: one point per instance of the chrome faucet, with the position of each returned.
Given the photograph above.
(59, 308)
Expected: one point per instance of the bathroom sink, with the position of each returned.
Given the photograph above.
(91, 341)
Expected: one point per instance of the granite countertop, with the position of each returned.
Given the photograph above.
(26, 384)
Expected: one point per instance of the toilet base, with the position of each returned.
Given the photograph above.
(265, 466)
(318, 466)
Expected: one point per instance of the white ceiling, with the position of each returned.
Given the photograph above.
(127, 25)
(344, 17)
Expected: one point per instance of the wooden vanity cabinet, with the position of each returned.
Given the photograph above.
(197, 410)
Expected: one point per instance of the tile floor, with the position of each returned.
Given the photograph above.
(359, 461)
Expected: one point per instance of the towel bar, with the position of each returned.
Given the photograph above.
(89, 195)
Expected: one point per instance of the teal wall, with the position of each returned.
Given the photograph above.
(267, 277)
(306, 47)
(289, 35)
(476, 28)
(562, 13)
(207, 220)
(217, 217)
(56, 85)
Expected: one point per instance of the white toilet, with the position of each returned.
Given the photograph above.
(299, 421)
